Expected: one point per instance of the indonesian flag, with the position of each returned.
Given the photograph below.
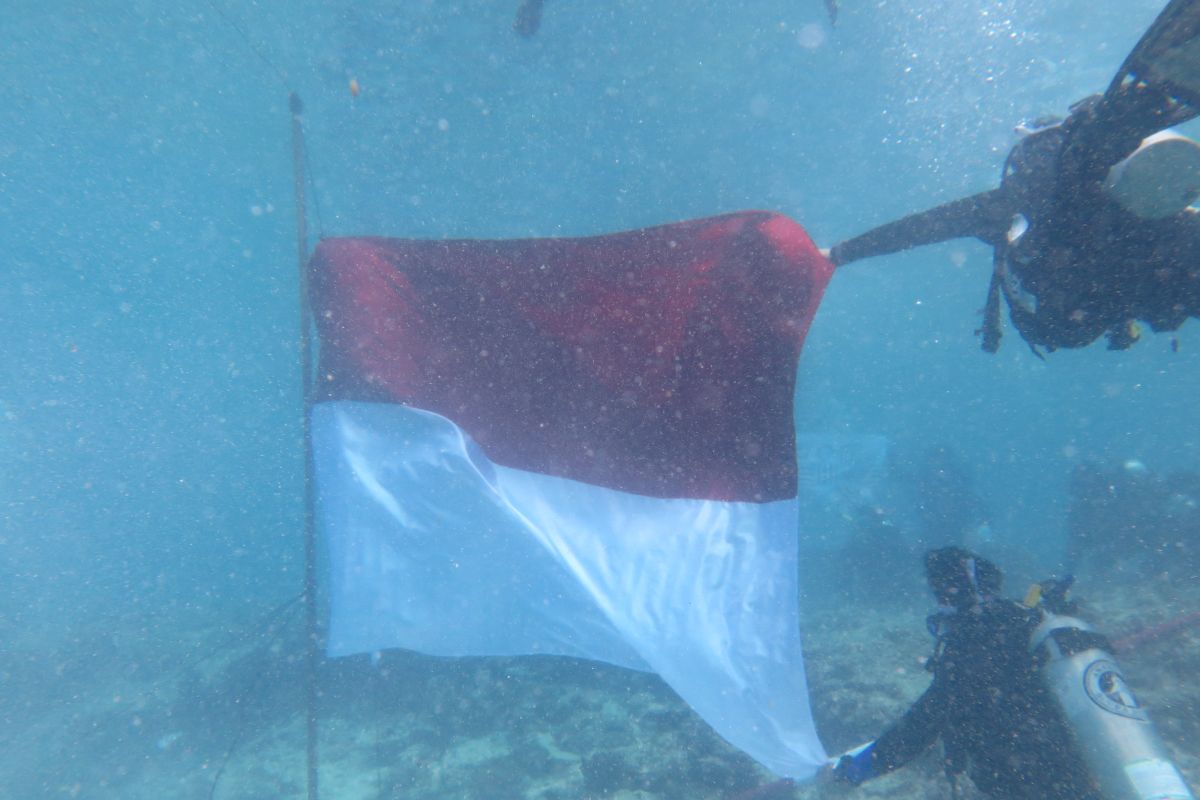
(578, 447)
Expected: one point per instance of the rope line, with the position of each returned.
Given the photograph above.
(253, 48)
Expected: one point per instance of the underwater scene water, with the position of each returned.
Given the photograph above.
(152, 639)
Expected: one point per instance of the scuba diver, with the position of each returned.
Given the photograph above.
(986, 701)
(1027, 700)
(1090, 227)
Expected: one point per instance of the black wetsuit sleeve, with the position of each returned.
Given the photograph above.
(915, 732)
(983, 216)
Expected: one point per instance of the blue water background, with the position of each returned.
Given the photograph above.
(150, 418)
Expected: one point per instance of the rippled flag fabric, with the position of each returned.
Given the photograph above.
(579, 447)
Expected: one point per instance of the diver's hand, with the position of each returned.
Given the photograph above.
(830, 253)
(831, 785)
(847, 771)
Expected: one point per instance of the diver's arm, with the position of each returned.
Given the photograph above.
(984, 216)
(915, 732)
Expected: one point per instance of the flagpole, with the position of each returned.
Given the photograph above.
(312, 636)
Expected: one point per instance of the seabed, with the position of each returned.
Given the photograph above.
(141, 710)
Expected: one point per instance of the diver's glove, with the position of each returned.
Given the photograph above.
(856, 766)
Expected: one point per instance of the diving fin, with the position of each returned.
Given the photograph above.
(1157, 87)
(1167, 56)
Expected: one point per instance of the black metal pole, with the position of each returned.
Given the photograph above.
(312, 635)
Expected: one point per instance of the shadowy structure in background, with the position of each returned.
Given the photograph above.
(1126, 518)
(529, 17)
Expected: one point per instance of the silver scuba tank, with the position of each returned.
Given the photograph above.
(1115, 736)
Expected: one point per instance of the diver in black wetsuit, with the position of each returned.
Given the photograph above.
(1071, 259)
(987, 704)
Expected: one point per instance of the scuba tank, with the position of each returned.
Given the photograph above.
(1159, 179)
(1114, 734)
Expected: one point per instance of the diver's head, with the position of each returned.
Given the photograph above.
(1031, 171)
(960, 579)
(1030, 175)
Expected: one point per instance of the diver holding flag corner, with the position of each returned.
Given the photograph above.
(1028, 701)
